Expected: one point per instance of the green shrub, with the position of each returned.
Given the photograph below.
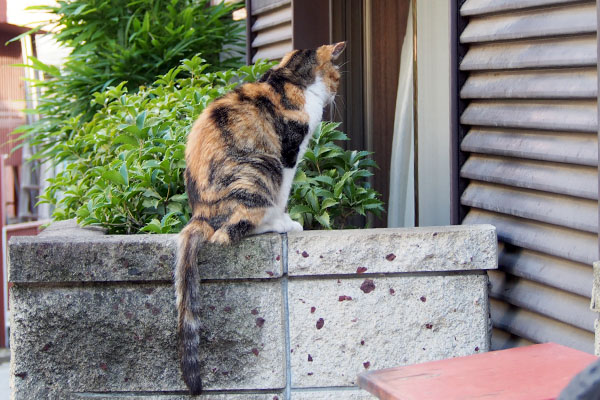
(126, 165)
(113, 41)
(330, 186)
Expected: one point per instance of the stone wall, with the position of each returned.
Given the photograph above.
(595, 306)
(298, 316)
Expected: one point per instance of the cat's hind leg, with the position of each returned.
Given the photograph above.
(242, 222)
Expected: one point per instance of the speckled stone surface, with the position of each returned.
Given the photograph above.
(119, 338)
(208, 396)
(93, 315)
(448, 248)
(597, 337)
(339, 394)
(342, 327)
(100, 258)
(595, 306)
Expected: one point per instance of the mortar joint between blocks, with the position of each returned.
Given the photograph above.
(286, 323)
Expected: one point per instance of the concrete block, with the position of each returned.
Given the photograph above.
(93, 316)
(597, 337)
(123, 339)
(342, 327)
(345, 394)
(595, 303)
(450, 248)
(207, 396)
(135, 258)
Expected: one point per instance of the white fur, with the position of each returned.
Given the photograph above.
(276, 219)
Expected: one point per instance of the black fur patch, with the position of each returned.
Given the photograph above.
(241, 96)
(291, 134)
(213, 166)
(221, 117)
(228, 179)
(265, 105)
(269, 166)
(239, 230)
(299, 71)
(249, 199)
(301, 65)
(192, 189)
(277, 81)
(258, 181)
(215, 222)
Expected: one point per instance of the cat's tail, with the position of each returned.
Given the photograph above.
(187, 286)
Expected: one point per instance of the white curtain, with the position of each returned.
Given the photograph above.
(401, 204)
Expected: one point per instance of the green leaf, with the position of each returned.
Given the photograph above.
(139, 121)
(114, 177)
(329, 202)
(323, 219)
(180, 197)
(153, 226)
(126, 139)
(124, 174)
(300, 208)
(312, 201)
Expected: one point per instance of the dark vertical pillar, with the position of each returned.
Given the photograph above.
(310, 23)
(457, 106)
(249, 38)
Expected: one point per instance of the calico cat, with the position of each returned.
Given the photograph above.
(241, 156)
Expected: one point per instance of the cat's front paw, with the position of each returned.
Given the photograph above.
(291, 225)
(295, 227)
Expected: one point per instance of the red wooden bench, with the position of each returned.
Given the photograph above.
(525, 373)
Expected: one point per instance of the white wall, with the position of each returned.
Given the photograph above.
(17, 15)
(433, 65)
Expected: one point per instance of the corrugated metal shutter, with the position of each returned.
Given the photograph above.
(271, 32)
(532, 166)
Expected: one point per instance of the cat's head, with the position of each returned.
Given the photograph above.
(328, 71)
(304, 67)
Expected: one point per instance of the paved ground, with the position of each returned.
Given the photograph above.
(4, 364)
(4, 390)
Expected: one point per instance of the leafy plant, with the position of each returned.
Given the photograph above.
(114, 41)
(126, 165)
(330, 186)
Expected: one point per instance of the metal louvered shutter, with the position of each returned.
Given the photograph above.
(532, 162)
(271, 30)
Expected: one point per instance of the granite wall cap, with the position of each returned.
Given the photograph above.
(595, 303)
(397, 250)
(117, 258)
(69, 227)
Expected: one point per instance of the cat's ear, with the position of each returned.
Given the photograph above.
(337, 50)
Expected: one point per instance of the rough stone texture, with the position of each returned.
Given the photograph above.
(135, 258)
(332, 395)
(450, 248)
(227, 396)
(595, 306)
(69, 227)
(119, 338)
(93, 316)
(360, 324)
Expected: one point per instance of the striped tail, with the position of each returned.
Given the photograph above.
(187, 286)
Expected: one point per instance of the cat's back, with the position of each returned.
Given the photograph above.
(240, 120)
